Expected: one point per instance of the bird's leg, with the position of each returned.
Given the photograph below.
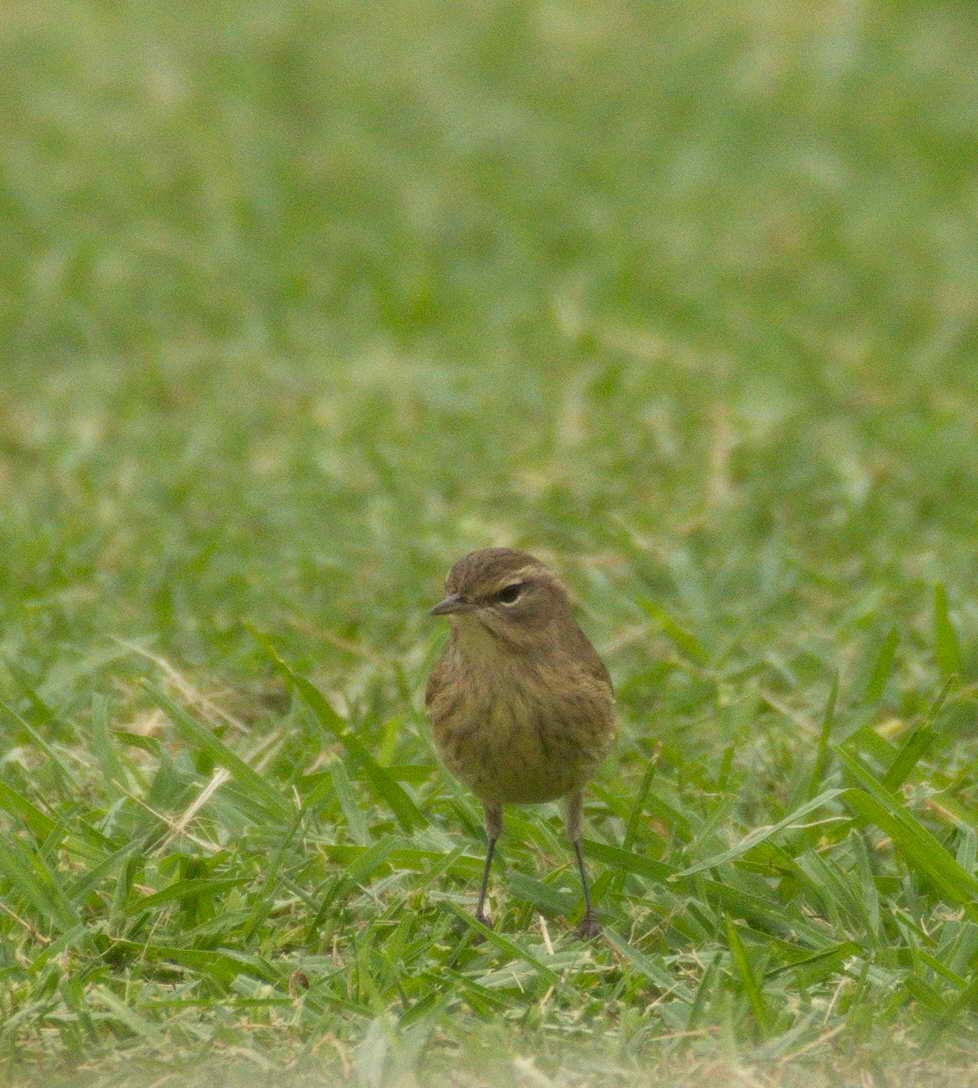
(494, 825)
(589, 926)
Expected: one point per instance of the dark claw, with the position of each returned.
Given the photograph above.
(589, 927)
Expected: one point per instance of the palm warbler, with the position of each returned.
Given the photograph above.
(521, 706)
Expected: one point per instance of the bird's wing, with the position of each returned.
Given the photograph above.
(591, 663)
(436, 681)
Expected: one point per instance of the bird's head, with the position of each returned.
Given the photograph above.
(505, 593)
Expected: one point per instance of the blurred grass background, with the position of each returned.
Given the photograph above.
(298, 303)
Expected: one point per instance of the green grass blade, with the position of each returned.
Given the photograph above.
(646, 966)
(385, 788)
(947, 648)
(627, 861)
(684, 641)
(190, 888)
(748, 979)
(222, 964)
(62, 772)
(27, 873)
(94, 877)
(266, 900)
(761, 834)
(201, 737)
(922, 851)
(917, 744)
(356, 820)
(102, 742)
(631, 828)
(824, 734)
(819, 963)
(883, 667)
(511, 948)
(141, 1026)
(541, 896)
(17, 805)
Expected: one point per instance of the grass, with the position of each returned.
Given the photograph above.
(299, 303)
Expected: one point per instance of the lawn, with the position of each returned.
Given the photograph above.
(300, 302)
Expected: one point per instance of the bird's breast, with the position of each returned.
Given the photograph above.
(521, 735)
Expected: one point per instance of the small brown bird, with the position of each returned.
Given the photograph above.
(521, 706)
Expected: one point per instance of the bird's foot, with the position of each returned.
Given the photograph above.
(589, 927)
(481, 916)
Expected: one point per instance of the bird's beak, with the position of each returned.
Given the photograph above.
(454, 603)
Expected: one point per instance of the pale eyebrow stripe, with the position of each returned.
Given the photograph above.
(517, 576)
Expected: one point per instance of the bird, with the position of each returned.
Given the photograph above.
(521, 705)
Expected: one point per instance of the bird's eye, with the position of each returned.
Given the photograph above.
(510, 594)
